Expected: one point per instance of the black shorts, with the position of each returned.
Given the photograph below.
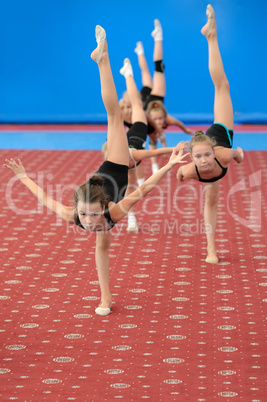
(137, 135)
(221, 134)
(115, 180)
(146, 97)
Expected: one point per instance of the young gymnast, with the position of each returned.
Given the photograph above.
(137, 136)
(154, 90)
(100, 202)
(212, 153)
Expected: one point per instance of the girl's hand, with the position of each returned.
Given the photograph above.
(240, 150)
(189, 131)
(177, 157)
(182, 145)
(16, 167)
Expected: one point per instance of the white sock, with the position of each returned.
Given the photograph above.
(155, 167)
(140, 181)
(131, 219)
(139, 48)
(157, 34)
(126, 70)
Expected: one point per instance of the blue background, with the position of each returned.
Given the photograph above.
(46, 74)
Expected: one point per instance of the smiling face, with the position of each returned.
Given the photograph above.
(159, 117)
(203, 156)
(91, 216)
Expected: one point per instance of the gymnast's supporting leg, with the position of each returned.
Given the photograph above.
(103, 240)
(210, 218)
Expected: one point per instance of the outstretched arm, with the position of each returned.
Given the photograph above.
(227, 155)
(140, 154)
(66, 213)
(172, 121)
(238, 155)
(123, 207)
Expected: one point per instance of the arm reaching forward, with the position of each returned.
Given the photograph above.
(118, 211)
(65, 212)
(172, 121)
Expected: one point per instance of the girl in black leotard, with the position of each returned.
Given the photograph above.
(100, 203)
(154, 88)
(212, 153)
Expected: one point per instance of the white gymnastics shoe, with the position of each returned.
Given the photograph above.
(157, 34)
(102, 311)
(100, 35)
(127, 69)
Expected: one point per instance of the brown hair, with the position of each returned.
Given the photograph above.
(201, 138)
(156, 105)
(90, 192)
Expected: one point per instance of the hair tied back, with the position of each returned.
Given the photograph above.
(96, 181)
(198, 132)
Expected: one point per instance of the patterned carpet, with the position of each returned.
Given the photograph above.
(180, 329)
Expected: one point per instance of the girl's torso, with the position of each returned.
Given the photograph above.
(219, 170)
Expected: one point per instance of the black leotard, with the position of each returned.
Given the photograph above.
(224, 171)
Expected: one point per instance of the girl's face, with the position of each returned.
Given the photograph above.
(126, 109)
(203, 157)
(159, 117)
(91, 216)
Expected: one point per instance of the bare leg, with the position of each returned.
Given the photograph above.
(145, 73)
(138, 113)
(154, 163)
(210, 218)
(102, 265)
(140, 174)
(117, 145)
(159, 82)
(223, 108)
(132, 224)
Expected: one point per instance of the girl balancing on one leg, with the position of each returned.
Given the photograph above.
(154, 90)
(100, 202)
(212, 153)
(137, 135)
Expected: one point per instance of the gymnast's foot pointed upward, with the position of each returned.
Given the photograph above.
(210, 27)
(157, 34)
(126, 70)
(139, 48)
(100, 35)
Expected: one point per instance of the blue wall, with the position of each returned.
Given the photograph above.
(46, 74)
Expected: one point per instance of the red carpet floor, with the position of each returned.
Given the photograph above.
(180, 330)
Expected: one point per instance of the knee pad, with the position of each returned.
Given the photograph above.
(159, 66)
